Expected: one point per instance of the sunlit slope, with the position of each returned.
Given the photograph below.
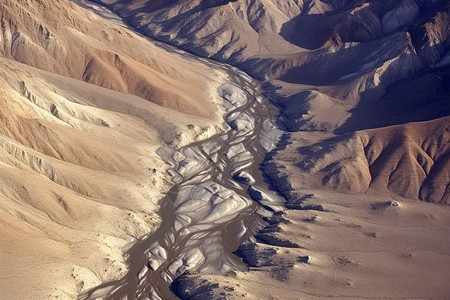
(411, 160)
(226, 30)
(79, 173)
(60, 37)
(84, 106)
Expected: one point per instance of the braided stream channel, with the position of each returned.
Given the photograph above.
(218, 198)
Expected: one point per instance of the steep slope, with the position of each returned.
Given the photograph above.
(226, 30)
(80, 177)
(348, 76)
(63, 38)
(411, 160)
(363, 87)
(324, 61)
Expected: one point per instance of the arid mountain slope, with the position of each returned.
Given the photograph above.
(411, 160)
(235, 31)
(229, 31)
(363, 86)
(358, 247)
(79, 173)
(60, 37)
(335, 66)
(364, 90)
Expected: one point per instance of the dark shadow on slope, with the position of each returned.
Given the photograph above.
(188, 287)
(124, 10)
(313, 31)
(423, 97)
(343, 64)
(344, 24)
(434, 20)
(309, 31)
(206, 4)
(405, 91)
(328, 66)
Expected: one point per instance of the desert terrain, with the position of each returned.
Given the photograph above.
(132, 169)
(85, 105)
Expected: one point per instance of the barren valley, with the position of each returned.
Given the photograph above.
(225, 149)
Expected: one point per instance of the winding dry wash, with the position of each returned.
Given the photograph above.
(208, 213)
(141, 158)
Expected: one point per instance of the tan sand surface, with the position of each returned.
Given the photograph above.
(355, 251)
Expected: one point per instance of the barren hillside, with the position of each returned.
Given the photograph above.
(60, 37)
(411, 160)
(333, 66)
(363, 88)
(84, 106)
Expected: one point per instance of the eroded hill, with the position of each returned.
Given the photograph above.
(332, 66)
(63, 38)
(363, 87)
(84, 106)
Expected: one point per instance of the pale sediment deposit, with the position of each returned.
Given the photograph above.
(209, 212)
(364, 93)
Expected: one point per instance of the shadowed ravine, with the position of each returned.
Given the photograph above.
(208, 212)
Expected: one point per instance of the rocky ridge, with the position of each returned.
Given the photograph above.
(337, 66)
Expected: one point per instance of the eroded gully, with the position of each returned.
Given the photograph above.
(217, 200)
